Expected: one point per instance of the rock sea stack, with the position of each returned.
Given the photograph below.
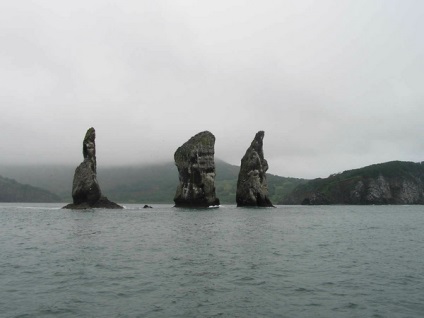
(196, 169)
(252, 188)
(86, 193)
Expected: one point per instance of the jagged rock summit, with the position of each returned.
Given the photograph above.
(86, 193)
(196, 169)
(252, 188)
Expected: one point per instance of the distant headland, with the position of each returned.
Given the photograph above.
(395, 182)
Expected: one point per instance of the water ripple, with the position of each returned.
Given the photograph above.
(228, 262)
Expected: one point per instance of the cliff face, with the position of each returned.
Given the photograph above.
(387, 190)
(393, 182)
(196, 170)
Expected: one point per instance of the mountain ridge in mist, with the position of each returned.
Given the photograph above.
(149, 183)
(13, 191)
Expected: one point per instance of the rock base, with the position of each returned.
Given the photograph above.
(102, 203)
(196, 205)
(257, 204)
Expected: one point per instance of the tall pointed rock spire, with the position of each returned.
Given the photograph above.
(252, 188)
(86, 191)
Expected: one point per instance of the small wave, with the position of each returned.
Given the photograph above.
(37, 208)
(303, 290)
(313, 305)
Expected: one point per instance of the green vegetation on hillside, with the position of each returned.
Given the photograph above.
(12, 191)
(337, 188)
(158, 183)
(54, 178)
(155, 183)
(145, 184)
(281, 187)
(388, 169)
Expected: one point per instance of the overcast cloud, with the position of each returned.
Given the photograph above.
(335, 85)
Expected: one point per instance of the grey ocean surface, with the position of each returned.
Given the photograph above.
(291, 261)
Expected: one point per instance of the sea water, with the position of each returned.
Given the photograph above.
(288, 261)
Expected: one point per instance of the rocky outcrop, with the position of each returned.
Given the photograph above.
(86, 191)
(252, 188)
(394, 182)
(316, 198)
(196, 169)
(388, 190)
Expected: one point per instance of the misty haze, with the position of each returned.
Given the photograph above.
(335, 85)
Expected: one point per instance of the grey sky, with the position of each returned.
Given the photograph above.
(335, 85)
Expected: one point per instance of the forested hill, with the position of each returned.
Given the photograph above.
(154, 183)
(12, 191)
(395, 182)
(158, 183)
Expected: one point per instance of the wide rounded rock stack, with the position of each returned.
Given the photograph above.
(196, 169)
